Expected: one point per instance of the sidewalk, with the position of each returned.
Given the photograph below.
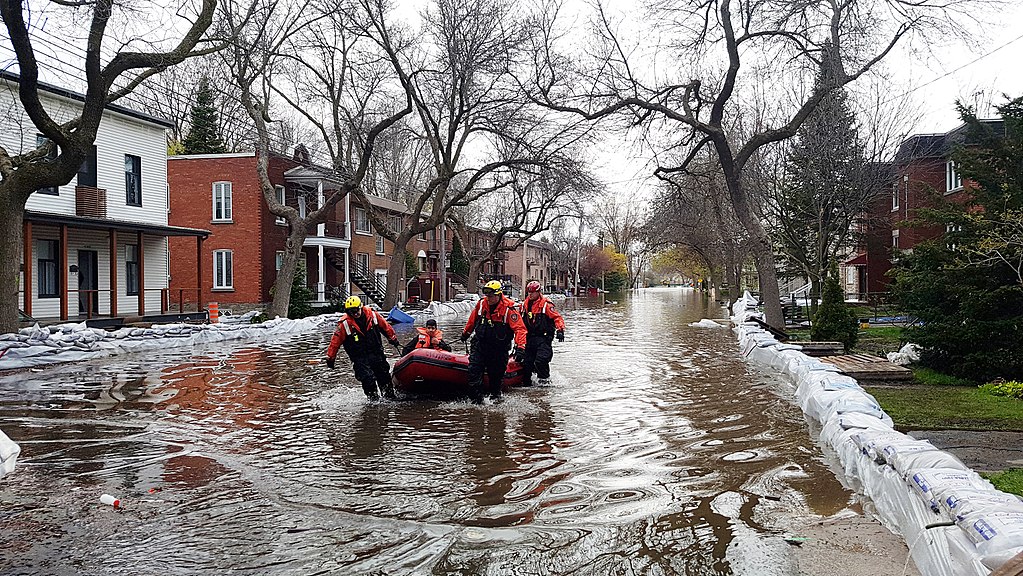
(983, 451)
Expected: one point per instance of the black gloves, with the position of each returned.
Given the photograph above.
(560, 335)
(465, 336)
(520, 355)
(330, 363)
(394, 342)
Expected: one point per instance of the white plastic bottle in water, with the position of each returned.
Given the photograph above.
(110, 500)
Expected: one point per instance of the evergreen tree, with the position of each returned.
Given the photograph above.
(459, 263)
(825, 187)
(966, 288)
(834, 320)
(204, 135)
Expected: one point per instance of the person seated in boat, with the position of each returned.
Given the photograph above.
(494, 325)
(429, 337)
(543, 324)
(359, 333)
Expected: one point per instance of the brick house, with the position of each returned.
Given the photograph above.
(97, 246)
(534, 260)
(923, 171)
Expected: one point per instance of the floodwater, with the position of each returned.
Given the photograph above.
(656, 450)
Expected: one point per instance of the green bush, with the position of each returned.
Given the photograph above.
(1012, 388)
(834, 320)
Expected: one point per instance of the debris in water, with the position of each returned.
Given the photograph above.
(110, 500)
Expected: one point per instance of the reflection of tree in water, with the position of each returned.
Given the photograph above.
(487, 456)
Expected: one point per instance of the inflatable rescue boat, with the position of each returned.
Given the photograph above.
(425, 371)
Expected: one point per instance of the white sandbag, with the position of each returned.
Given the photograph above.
(957, 503)
(859, 401)
(8, 454)
(912, 459)
(998, 535)
(706, 323)
(871, 442)
(908, 354)
(839, 428)
(931, 484)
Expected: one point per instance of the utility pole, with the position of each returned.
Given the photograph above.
(443, 263)
(578, 252)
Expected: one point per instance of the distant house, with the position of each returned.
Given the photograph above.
(534, 260)
(923, 171)
(96, 246)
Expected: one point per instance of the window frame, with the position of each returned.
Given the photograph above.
(225, 281)
(133, 180)
(953, 180)
(281, 195)
(278, 260)
(88, 169)
(362, 225)
(380, 245)
(359, 256)
(227, 207)
(43, 264)
(49, 190)
(131, 270)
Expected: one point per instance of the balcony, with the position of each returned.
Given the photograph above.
(90, 202)
(435, 246)
(331, 234)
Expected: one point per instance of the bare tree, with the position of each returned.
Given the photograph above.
(468, 109)
(319, 61)
(537, 200)
(755, 43)
(621, 221)
(22, 173)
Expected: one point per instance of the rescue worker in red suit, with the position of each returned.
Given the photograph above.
(359, 333)
(543, 324)
(429, 337)
(494, 325)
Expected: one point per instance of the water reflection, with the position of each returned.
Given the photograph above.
(655, 451)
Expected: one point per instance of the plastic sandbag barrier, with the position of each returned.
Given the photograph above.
(36, 346)
(8, 454)
(954, 522)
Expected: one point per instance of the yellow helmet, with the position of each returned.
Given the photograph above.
(492, 287)
(353, 302)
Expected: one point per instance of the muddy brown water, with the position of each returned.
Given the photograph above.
(656, 450)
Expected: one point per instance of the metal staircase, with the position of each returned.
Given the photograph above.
(362, 277)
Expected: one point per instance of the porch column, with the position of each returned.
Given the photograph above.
(321, 285)
(348, 279)
(63, 272)
(113, 272)
(26, 259)
(321, 228)
(198, 273)
(142, 276)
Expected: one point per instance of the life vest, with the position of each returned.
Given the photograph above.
(541, 318)
(500, 325)
(357, 340)
(426, 340)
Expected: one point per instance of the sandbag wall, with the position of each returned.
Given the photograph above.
(954, 522)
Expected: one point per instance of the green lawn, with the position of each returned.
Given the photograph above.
(948, 407)
(1007, 481)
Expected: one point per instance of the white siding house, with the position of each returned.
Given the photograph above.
(81, 256)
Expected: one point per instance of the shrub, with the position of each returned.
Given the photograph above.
(834, 320)
(1012, 388)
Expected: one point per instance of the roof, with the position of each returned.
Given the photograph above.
(110, 224)
(65, 93)
(387, 204)
(920, 146)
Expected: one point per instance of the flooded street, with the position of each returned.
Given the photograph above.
(656, 450)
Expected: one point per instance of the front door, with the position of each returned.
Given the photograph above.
(88, 282)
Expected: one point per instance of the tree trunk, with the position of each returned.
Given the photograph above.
(395, 272)
(286, 275)
(10, 258)
(472, 282)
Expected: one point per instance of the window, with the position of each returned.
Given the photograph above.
(895, 196)
(951, 229)
(361, 221)
(301, 206)
(279, 191)
(87, 171)
(223, 272)
(380, 244)
(46, 268)
(222, 209)
(952, 179)
(895, 239)
(279, 260)
(395, 223)
(131, 269)
(41, 141)
(422, 263)
(133, 180)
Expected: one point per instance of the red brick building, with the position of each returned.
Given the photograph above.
(923, 172)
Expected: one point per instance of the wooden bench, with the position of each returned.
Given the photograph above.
(821, 348)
